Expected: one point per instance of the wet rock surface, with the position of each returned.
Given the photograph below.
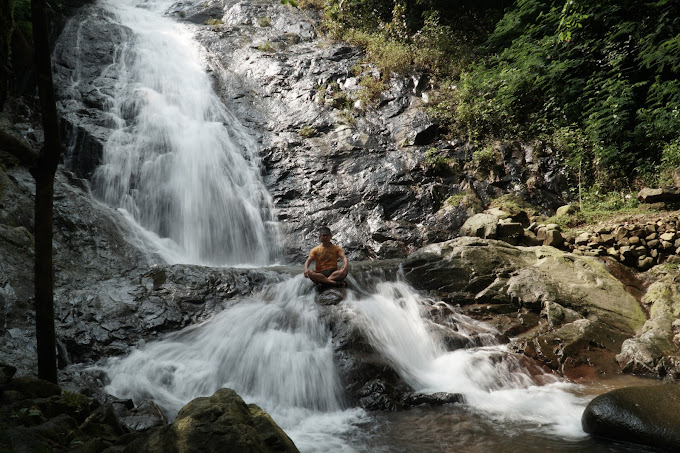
(566, 311)
(222, 422)
(36, 415)
(643, 415)
(363, 171)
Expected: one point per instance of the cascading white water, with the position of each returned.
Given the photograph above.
(490, 377)
(181, 166)
(275, 350)
(180, 163)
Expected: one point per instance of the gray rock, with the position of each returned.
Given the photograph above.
(482, 225)
(676, 177)
(659, 195)
(577, 295)
(651, 351)
(567, 210)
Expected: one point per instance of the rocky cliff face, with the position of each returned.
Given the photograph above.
(328, 157)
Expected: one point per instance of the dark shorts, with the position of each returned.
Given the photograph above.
(327, 272)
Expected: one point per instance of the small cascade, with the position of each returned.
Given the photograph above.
(274, 350)
(491, 378)
(178, 162)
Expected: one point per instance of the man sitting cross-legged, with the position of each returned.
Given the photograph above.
(326, 258)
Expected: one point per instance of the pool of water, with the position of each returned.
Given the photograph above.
(460, 428)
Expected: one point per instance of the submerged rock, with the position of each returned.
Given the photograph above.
(645, 415)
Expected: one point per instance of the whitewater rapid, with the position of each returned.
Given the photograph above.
(276, 350)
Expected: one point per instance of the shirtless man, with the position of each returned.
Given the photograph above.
(326, 257)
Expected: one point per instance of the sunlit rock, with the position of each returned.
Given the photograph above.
(569, 311)
(222, 422)
(652, 350)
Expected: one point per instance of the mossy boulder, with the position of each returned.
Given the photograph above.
(654, 350)
(565, 310)
(222, 422)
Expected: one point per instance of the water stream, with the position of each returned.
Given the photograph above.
(183, 170)
(276, 350)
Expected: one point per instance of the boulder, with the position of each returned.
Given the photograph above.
(652, 351)
(659, 195)
(645, 415)
(6, 374)
(676, 177)
(563, 306)
(567, 210)
(32, 387)
(222, 422)
(482, 225)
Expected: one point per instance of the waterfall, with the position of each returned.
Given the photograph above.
(183, 169)
(275, 349)
(179, 164)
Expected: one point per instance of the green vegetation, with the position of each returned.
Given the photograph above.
(512, 204)
(266, 47)
(439, 163)
(596, 83)
(454, 200)
(307, 131)
(264, 21)
(214, 22)
(75, 400)
(484, 159)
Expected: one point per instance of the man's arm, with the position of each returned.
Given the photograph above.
(345, 261)
(307, 263)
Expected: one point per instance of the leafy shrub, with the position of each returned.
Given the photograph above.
(214, 22)
(599, 81)
(670, 160)
(438, 162)
(266, 47)
(307, 131)
(485, 159)
(597, 200)
(372, 87)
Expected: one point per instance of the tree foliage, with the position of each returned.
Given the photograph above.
(603, 73)
(608, 69)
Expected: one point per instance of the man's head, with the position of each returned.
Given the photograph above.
(325, 235)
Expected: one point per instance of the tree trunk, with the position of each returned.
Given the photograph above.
(6, 28)
(44, 278)
(43, 173)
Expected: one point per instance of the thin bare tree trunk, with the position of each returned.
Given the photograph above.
(43, 173)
